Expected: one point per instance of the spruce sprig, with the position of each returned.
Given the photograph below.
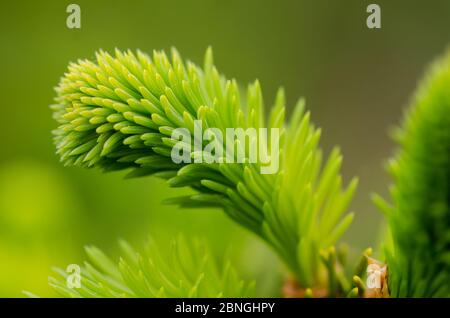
(119, 112)
(418, 252)
(183, 269)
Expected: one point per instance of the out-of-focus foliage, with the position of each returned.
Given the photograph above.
(418, 253)
(119, 112)
(184, 269)
(38, 226)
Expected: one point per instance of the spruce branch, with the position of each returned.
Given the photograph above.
(119, 112)
(418, 251)
(184, 269)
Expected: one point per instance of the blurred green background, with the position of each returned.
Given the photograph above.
(355, 80)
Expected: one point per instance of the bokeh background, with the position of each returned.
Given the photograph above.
(356, 82)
